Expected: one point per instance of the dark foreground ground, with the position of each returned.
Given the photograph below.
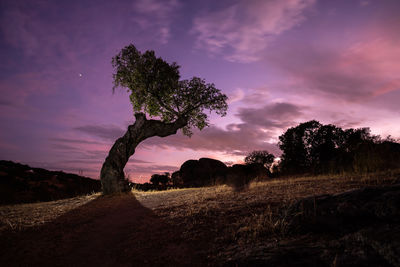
(108, 231)
(325, 221)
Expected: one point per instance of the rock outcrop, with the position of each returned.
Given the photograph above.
(202, 172)
(208, 172)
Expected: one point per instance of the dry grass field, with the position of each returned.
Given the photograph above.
(235, 224)
(21, 216)
(221, 226)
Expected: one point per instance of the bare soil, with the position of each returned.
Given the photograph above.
(200, 227)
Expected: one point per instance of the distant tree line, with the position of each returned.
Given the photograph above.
(161, 179)
(308, 148)
(312, 147)
(210, 172)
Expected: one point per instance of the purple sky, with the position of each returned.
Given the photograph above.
(280, 63)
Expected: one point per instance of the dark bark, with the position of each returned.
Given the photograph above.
(112, 172)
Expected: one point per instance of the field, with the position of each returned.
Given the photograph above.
(201, 226)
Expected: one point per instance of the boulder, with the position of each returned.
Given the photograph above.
(208, 172)
(202, 172)
(239, 176)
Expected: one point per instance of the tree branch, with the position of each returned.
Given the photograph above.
(196, 107)
(162, 104)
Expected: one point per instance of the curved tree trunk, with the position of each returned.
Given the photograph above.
(112, 172)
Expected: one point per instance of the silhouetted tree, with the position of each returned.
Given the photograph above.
(325, 147)
(162, 179)
(156, 91)
(260, 156)
(176, 179)
(376, 154)
(317, 148)
(296, 144)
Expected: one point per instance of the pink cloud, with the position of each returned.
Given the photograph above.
(387, 88)
(244, 29)
(235, 96)
(355, 73)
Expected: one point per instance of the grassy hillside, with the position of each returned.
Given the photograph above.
(23, 184)
(303, 221)
(251, 227)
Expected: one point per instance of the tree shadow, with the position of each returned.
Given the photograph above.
(108, 231)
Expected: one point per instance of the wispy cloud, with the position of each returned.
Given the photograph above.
(29, 30)
(15, 89)
(276, 115)
(236, 96)
(243, 30)
(132, 167)
(156, 16)
(364, 3)
(256, 96)
(106, 132)
(237, 139)
(258, 130)
(6, 102)
(73, 141)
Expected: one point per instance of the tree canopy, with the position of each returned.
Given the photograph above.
(162, 179)
(260, 156)
(317, 148)
(156, 89)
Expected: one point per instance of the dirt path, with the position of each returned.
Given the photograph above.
(108, 231)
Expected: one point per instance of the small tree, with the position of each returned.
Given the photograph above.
(176, 179)
(162, 179)
(156, 91)
(260, 156)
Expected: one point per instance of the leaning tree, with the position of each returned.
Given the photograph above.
(156, 91)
